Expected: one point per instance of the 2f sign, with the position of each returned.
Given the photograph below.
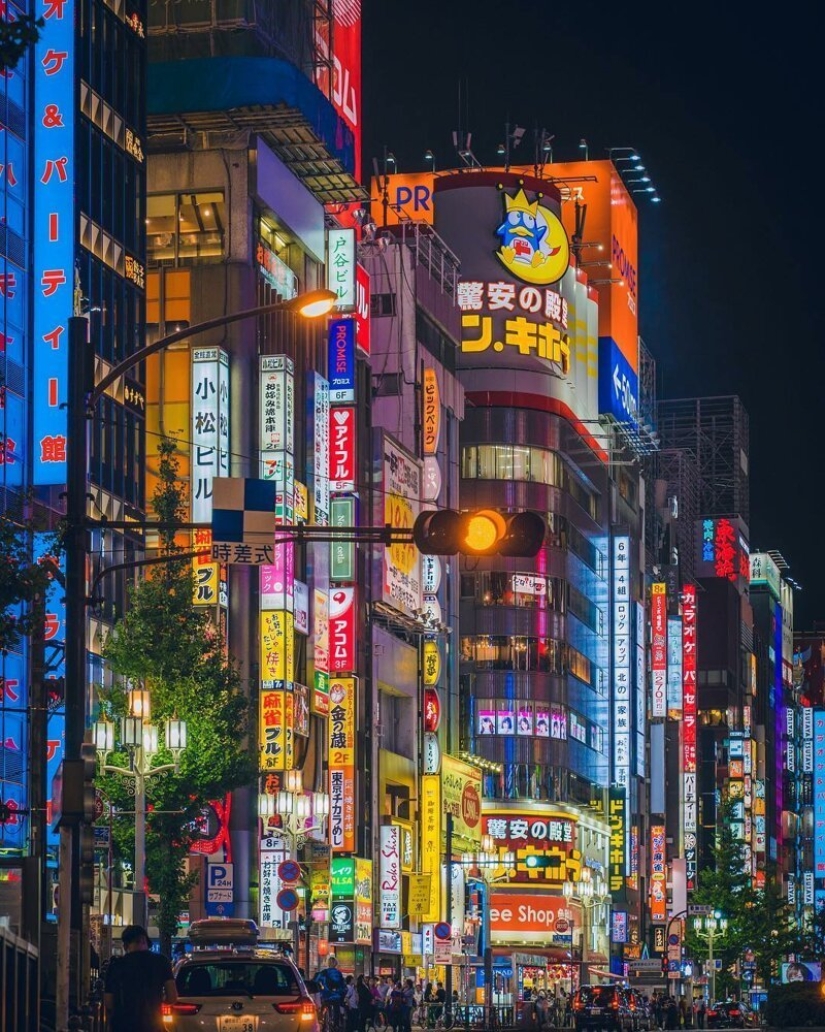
(220, 876)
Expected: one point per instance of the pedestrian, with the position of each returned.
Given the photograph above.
(672, 1014)
(439, 999)
(351, 1005)
(137, 984)
(395, 1008)
(701, 1012)
(408, 993)
(364, 996)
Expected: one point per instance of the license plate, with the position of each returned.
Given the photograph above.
(595, 1010)
(238, 1023)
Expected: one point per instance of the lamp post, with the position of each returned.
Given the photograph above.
(483, 865)
(83, 397)
(589, 893)
(140, 739)
(708, 928)
(301, 813)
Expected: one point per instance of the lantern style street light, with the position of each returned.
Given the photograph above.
(589, 893)
(707, 928)
(140, 739)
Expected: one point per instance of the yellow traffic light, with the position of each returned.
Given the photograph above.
(482, 531)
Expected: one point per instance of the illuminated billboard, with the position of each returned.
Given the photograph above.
(341, 763)
(53, 281)
(398, 506)
(528, 320)
(722, 550)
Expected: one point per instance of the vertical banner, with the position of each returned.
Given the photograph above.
(622, 644)
(342, 550)
(53, 275)
(658, 650)
(341, 266)
(210, 458)
(617, 821)
(318, 457)
(658, 875)
(674, 668)
(431, 416)
(431, 841)
(341, 764)
(274, 733)
(389, 876)
(342, 449)
(401, 582)
(342, 631)
(362, 310)
(341, 360)
(689, 659)
(363, 900)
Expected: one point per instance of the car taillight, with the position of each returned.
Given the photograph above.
(305, 1009)
(577, 1005)
(614, 1004)
(171, 1010)
(734, 1013)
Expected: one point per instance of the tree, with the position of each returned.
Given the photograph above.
(16, 37)
(23, 579)
(173, 648)
(757, 919)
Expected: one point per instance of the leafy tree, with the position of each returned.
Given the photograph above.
(173, 648)
(757, 919)
(16, 37)
(23, 579)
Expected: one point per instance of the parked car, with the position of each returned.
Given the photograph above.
(229, 984)
(729, 1014)
(641, 1011)
(603, 1007)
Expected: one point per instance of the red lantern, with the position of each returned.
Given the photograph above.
(432, 709)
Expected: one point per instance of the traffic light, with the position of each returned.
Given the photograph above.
(479, 532)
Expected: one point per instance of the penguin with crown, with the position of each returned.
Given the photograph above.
(534, 245)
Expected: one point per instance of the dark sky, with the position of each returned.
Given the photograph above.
(724, 106)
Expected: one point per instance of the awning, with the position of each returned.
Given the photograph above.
(597, 958)
(549, 954)
(231, 95)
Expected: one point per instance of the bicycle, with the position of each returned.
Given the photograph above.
(331, 1018)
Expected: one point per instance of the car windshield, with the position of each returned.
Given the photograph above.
(225, 978)
(600, 995)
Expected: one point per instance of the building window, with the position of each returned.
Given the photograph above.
(185, 228)
(514, 652)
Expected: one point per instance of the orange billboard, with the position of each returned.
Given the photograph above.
(611, 221)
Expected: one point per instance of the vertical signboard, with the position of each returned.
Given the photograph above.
(689, 710)
(617, 821)
(431, 841)
(210, 427)
(342, 449)
(431, 415)
(341, 360)
(341, 263)
(341, 760)
(401, 581)
(622, 647)
(318, 458)
(210, 458)
(53, 279)
(342, 630)
(819, 792)
(389, 876)
(658, 650)
(362, 310)
(658, 875)
(342, 549)
(674, 667)
(363, 900)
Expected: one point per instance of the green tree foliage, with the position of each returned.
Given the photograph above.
(173, 649)
(23, 579)
(16, 37)
(756, 918)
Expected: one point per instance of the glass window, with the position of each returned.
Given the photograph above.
(231, 976)
(521, 463)
(185, 228)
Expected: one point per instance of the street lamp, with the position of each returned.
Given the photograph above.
(708, 928)
(300, 812)
(140, 739)
(488, 866)
(589, 893)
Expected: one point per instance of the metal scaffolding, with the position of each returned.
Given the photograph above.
(717, 432)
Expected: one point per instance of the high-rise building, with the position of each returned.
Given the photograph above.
(72, 197)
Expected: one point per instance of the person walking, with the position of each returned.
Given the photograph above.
(364, 997)
(137, 984)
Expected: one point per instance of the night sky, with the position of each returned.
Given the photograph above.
(724, 108)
